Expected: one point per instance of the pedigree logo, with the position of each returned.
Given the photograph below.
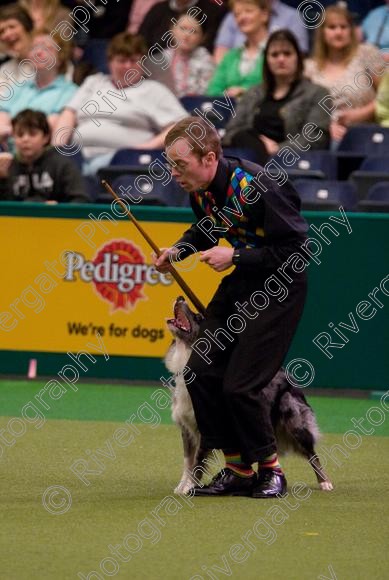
(118, 272)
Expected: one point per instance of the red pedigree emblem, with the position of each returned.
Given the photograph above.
(120, 273)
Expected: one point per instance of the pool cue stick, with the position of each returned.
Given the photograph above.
(180, 281)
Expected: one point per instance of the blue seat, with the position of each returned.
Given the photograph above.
(358, 143)
(326, 195)
(137, 157)
(366, 140)
(377, 198)
(373, 170)
(144, 188)
(203, 103)
(320, 164)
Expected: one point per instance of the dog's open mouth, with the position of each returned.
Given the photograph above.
(180, 320)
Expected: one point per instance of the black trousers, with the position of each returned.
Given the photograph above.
(231, 411)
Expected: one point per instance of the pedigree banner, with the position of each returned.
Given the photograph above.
(60, 289)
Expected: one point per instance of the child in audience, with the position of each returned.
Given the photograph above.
(191, 64)
(38, 172)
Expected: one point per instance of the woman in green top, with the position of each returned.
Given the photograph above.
(241, 68)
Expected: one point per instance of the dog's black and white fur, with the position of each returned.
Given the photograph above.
(293, 419)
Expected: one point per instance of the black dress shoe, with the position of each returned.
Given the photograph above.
(270, 483)
(226, 482)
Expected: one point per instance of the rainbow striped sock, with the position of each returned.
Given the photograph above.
(235, 463)
(270, 462)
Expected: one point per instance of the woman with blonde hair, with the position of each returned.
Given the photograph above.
(349, 70)
(241, 68)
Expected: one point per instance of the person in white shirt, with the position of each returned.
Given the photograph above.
(124, 109)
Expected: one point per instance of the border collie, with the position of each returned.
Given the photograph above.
(293, 419)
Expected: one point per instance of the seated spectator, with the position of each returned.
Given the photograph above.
(338, 63)
(281, 16)
(382, 108)
(191, 65)
(268, 114)
(159, 19)
(119, 110)
(241, 68)
(45, 14)
(16, 26)
(375, 28)
(49, 91)
(38, 172)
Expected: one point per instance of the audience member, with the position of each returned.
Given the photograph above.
(241, 68)
(270, 115)
(191, 65)
(45, 14)
(339, 62)
(119, 110)
(282, 16)
(16, 26)
(382, 108)
(158, 20)
(38, 172)
(49, 90)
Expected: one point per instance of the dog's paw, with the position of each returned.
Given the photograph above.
(326, 486)
(184, 487)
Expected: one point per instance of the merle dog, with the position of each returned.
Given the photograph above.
(293, 419)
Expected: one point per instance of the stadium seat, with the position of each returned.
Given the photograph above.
(312, 165)
(372, 170)
(377, 198)
(203, 104)
(366, 140)
(325, 195)
(139, 183)
(359, 142)
(137, 157)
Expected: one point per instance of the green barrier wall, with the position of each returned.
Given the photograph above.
(352, 265)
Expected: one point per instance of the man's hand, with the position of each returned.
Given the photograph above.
(218, 258)
(164, 261)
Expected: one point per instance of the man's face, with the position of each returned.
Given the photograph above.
(190, 172)
(30, 143)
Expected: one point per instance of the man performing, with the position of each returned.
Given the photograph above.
(232, 198)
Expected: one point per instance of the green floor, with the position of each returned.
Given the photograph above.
(340, 535)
